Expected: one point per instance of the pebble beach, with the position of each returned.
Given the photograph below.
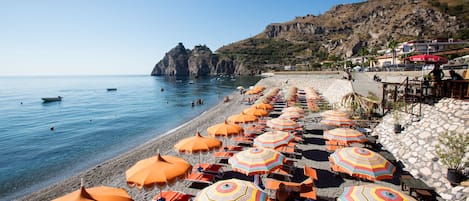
(112, 172)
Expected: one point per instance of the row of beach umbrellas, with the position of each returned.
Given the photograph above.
(160, 171)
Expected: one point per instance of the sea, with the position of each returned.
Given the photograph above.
(90, 124)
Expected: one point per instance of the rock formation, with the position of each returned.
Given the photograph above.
(199, 61)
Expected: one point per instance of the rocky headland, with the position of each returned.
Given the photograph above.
(200, 61)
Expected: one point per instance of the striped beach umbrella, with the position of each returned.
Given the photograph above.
(291, 115)
(334, 113)
(373, 192)
(273, 139)
(293, 109)
(232, 190)
(337, 121)
(346, 135)
(361, 163)
(282, 124)
(256, 160)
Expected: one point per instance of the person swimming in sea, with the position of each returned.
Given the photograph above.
(162, 89)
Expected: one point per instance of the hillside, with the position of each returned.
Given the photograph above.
(345, 29)
(341, 32)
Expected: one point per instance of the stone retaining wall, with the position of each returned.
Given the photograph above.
(415, 146)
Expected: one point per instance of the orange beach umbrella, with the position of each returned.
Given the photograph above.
(197, 143)
(101, 193)
(157, 171)
(242, 118)
(225, 129)
(256, 112)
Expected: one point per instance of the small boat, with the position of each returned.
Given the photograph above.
(51, 99)
(111, 89)
(191, 82)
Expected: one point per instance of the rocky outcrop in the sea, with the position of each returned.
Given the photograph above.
(415, 146)
(199, 61)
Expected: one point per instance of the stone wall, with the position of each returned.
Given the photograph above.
(415, 146)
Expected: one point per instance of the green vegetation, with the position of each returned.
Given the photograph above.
(262, 51)
(452, 148)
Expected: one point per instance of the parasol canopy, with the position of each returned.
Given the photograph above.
(373, 192)
(427, 58)
(225, 129)
(282, 124)
(256, 112)
(346, 135)
(157, 171)
(101, 193)
(334, 113)
(197, 143)
(273, 139)
(337, 121)
(361, 163)
(256, 160)
(232, 190)
(242, 118)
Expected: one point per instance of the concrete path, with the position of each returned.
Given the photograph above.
(364, 84)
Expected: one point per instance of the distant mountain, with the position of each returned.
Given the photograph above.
(340, 32)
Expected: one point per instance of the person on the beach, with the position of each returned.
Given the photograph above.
(437, 73)
(282, 193)
(455, 76)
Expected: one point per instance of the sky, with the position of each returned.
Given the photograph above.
(115, 37)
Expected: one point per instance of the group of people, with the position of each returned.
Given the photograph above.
(437, 74)
(198, 101)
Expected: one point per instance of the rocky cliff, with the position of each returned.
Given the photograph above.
(199, 61)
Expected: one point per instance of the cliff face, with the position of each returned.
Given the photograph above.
(174, 63)
(200, 61)
(347, 28)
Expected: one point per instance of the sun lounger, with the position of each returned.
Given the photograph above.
(209, 168)
(200, 178)
(232, 149)
(243, 140)
(173, 196)
(282, 172)
(272, 184)
(288, 151)
(223, 155)
(310, 172)
(309, 194)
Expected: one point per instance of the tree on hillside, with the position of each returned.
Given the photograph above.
(363, 52)
(393, 45)
(372, 60)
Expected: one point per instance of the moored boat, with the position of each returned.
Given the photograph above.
(111, 89)
(51, 99)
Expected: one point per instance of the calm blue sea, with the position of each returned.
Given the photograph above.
(91, 124)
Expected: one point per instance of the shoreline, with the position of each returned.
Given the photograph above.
(112, 172)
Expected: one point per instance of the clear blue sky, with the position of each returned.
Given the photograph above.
(93, 37)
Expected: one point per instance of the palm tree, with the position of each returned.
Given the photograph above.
(372, 60)
(392, 45)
